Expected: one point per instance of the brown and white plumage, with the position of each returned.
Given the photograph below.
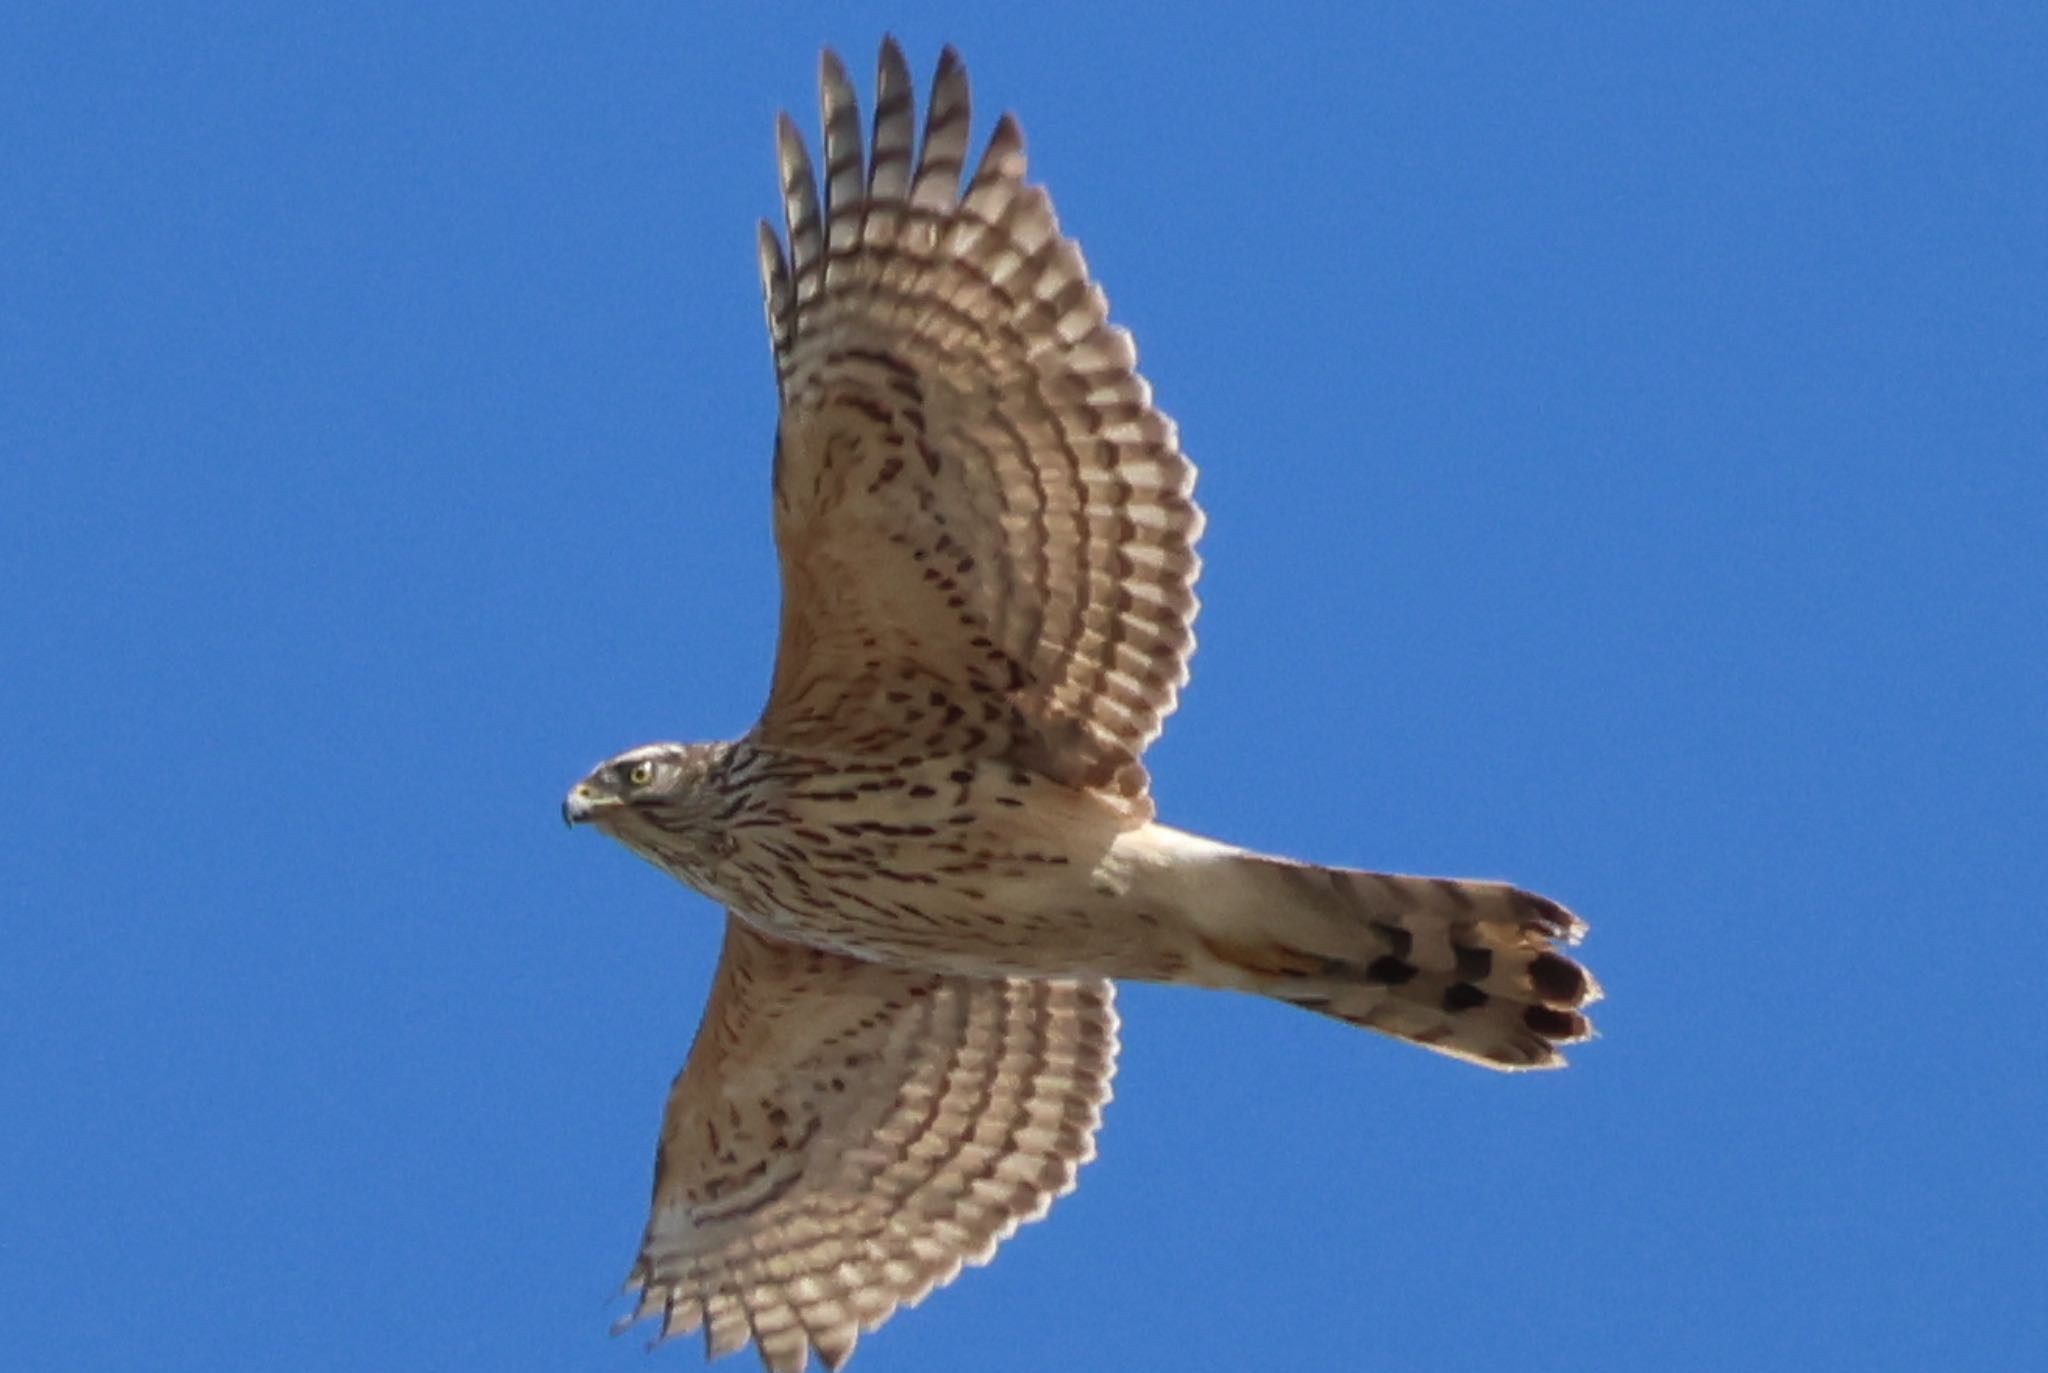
(937, 844)
(954, 400)
(846, 1135)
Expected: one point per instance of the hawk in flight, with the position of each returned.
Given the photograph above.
(937, 848)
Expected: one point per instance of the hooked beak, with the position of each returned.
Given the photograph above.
(584, 803)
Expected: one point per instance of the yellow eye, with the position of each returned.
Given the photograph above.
(642, 773)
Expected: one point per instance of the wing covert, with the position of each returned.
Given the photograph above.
(986, 528)
(844, 1136)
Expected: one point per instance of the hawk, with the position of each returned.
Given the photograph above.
(937, 847)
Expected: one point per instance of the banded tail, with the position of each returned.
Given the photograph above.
(1470, 969)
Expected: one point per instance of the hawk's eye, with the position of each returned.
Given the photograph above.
(641, 773)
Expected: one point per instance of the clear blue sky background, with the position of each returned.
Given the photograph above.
(1625, 437)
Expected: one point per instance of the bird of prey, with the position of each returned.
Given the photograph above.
(937, 847)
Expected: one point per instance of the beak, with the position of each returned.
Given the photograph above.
(583, 804)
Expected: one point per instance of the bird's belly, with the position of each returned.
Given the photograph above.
(970, 867)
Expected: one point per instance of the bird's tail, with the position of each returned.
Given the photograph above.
(1470, 969)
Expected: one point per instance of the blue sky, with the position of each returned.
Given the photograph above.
(1623, 435)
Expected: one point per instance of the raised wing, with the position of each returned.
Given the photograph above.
(987, 531)
(845, 1136)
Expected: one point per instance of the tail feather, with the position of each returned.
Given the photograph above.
(1469, 969)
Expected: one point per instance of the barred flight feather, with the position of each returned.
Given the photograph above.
(964, 428)
(845, 1136)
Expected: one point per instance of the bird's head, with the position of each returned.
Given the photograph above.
(621, 789)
